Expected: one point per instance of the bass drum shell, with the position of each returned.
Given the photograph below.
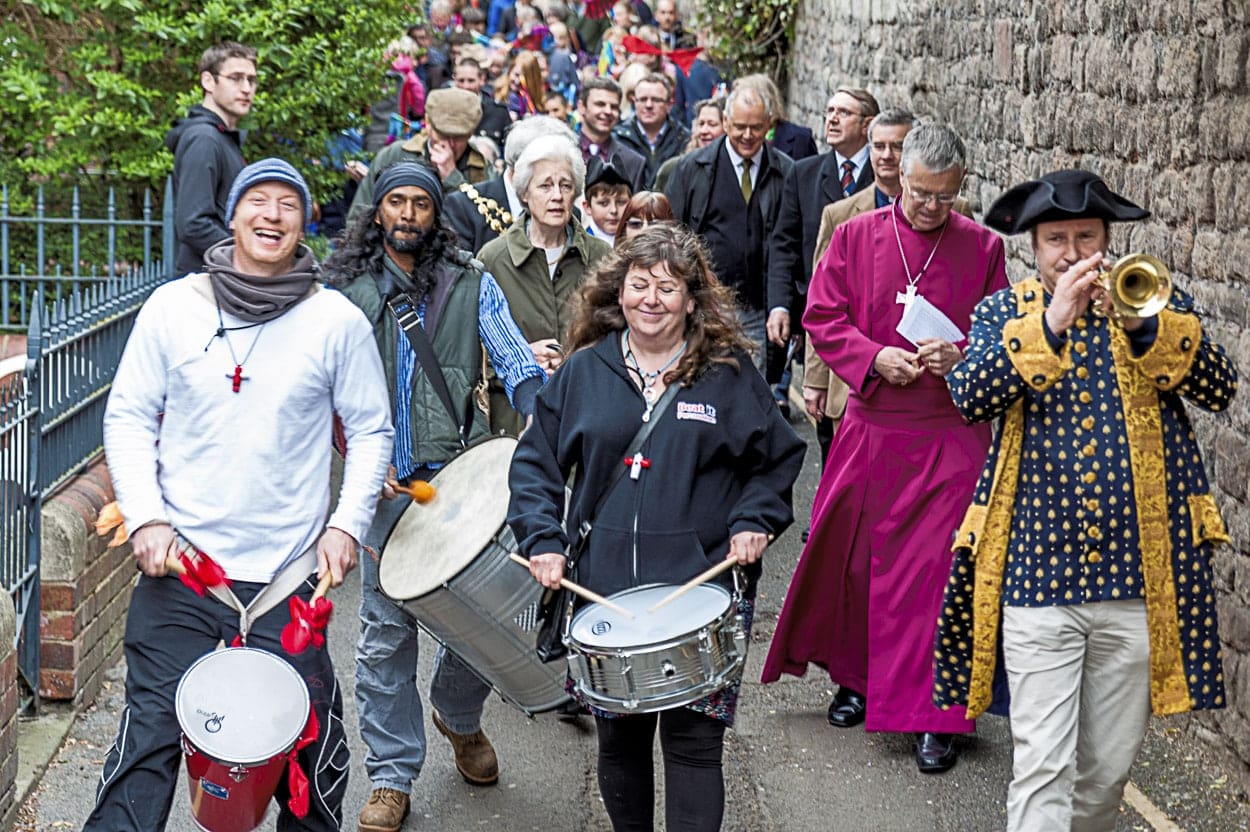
(446, 563)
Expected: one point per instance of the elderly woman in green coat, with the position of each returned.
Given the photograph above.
(542, 259)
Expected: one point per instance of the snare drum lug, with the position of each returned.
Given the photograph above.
(668, 668)
(238, 774)
(187, 747)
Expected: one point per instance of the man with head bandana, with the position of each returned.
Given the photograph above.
(1086, 550)
(217, 438)
(400, 247)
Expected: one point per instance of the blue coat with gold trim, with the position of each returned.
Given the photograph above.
(1093, 490)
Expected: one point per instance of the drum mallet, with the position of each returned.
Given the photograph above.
(579, 590)
(419, 490)
(308, 619)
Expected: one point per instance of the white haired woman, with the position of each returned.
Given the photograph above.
(541, 260)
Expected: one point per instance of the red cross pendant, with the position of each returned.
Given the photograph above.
(236, 378)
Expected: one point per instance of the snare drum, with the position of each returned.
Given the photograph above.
(447, 563)
(240, 710)
(691, 647)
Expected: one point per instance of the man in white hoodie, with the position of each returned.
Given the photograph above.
(218, 434)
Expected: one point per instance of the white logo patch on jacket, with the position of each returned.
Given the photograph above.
(696, 412)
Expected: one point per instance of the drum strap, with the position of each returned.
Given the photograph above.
(273, 594)
(405, 312)
(635, 446)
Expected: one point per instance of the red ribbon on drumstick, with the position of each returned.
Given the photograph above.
(197, 571)
(307, 626)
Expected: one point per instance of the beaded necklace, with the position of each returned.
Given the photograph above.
(649, 379)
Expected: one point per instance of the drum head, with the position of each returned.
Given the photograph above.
(598, 626)
(241, 705)
(431, 543)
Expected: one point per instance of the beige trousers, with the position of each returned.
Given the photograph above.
(1080, 702)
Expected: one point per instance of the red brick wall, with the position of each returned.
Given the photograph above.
(83, 615)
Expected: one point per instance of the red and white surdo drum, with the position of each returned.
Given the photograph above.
(241, 711)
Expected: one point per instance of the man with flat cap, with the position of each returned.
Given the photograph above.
(448, 143)
(216, 431)
(1086, 549)
(400, 250)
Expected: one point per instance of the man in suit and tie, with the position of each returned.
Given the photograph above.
(730, 192)
(812, 184)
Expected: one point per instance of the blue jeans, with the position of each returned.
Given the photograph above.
(387, 698)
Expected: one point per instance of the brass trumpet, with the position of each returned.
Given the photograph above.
(1137, 285)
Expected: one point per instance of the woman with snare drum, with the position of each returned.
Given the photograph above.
(711, 481)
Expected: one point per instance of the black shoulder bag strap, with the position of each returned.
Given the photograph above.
(405, 312)
(555, 607)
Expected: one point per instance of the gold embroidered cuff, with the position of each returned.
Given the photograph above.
(1169, 358)
(1205, 520)
(1030, 352)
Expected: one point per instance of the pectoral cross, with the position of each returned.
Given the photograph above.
(907, 297)
(636, 463)
(237, 378)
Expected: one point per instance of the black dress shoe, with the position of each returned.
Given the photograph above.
(847, 708)
(935, 753)
(807, 533)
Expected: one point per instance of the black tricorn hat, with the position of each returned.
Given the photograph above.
(603, 173)
(1060, 195)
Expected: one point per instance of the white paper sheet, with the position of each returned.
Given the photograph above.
(923, 320)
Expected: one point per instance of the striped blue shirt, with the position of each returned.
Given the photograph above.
(509, 354)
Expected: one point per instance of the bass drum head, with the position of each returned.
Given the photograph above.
(431, 543)
(241, 705)
(598, 627)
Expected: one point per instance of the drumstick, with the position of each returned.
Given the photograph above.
(702, 577)
(577, 589)
(419, 490)
(323, 586)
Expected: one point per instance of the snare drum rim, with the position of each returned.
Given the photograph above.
(247, 762)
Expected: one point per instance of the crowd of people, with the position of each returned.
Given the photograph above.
(568, 220)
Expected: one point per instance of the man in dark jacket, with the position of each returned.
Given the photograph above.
(815, 182)
(599, 105)
(652, 132)
(471, 75)
(730, 193)
(207, 151)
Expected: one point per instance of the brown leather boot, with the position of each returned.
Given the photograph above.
(384, 811)
(475, 757)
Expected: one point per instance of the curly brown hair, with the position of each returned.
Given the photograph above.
(713, 334)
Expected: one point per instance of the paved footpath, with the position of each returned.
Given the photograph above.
(786, 769)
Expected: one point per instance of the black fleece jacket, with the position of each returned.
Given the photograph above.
(722, 460)
(208, 155)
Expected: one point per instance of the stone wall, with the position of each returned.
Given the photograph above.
(1153, 95)
(8, 712)
(85, 591)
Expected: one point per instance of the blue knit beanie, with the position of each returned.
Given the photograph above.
(268, 170)
(409, 174)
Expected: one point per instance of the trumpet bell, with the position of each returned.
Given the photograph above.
(1139, 286)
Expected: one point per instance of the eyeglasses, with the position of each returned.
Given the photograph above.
(238, 79)
(924, 197)
(842, 112)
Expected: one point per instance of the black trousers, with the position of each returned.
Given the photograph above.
(168, 627)
(693, 745)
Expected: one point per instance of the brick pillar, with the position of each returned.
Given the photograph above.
(85, 591)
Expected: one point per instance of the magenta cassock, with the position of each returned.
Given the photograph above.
(864, 600)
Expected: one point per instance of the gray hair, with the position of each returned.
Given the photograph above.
(893, 117)
(553, 148)
(530, 128)
(935, 146)
(748, 95)
(760, 88)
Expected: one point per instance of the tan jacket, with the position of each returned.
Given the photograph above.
(815, 372)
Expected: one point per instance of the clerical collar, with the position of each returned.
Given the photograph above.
(884, 199)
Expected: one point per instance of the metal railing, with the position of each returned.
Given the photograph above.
(51, 413)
